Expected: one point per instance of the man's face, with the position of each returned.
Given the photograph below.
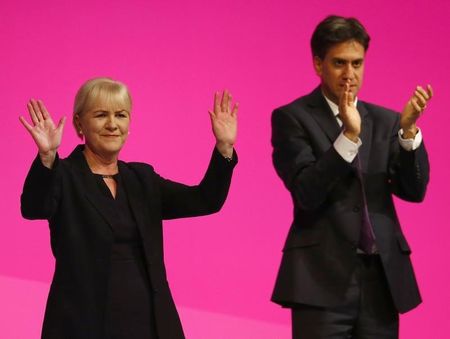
(342, 64)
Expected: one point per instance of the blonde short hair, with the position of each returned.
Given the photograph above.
(100, 90)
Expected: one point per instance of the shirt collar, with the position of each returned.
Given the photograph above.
(335, 108)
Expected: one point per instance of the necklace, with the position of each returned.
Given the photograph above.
(108, 176)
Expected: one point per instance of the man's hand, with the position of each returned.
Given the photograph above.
(349, 115)
(413, 109)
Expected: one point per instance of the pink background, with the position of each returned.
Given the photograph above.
(174, 55)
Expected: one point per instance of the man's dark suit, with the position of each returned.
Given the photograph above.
(81, 221)
(320, 253)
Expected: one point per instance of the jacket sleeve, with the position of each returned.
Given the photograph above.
(179, 200)
(408, 170)
(310, 177)
(40, 194)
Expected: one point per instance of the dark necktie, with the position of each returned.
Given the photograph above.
(366, 237)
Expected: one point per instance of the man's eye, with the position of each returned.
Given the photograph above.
(121, 115)
(100, 115)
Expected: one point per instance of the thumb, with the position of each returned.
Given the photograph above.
(61, 124)
(212, 115)
(343, 102)
(350, 99)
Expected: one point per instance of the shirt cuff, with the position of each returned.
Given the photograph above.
(346, 148)
(410, 144)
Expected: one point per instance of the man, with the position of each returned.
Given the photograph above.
(346, 271)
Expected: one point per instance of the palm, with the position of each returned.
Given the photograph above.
(45, 134)
(224, 119)
(415, 107)
(348, 113)
(410, 114)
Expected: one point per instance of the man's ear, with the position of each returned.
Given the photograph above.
(317, 62)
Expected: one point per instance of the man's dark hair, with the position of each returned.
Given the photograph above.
(334, 30)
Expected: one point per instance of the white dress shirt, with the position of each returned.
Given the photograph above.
(348, 149)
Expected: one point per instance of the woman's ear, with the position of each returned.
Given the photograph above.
(77, 124)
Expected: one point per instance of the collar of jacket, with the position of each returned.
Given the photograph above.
(102, 204)
(321, 112)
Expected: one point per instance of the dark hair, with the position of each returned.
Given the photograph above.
(334, 30)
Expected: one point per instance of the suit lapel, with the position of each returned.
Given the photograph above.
(321, 112)
(88, 182)
(103, 204)
(365, 136)
(136, 197)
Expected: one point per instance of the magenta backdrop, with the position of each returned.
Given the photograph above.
(174, 55)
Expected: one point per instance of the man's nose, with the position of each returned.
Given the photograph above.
(349, 72)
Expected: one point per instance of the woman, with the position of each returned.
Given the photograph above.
(105, 217)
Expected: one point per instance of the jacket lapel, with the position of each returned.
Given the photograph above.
(88, 182)
(365, 136)
(321, 112)
(136, 197)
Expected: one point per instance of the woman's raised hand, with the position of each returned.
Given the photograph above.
(224, 122)
(45, 134)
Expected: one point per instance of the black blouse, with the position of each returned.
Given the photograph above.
(129, 312)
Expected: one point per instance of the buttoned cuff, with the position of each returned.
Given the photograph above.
(410, 144)
(346, 148)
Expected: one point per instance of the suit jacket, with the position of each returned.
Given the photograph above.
(319, 255)
(81, 219)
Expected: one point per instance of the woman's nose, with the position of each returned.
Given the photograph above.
(111, 123)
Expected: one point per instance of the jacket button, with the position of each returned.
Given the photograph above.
(356, 209)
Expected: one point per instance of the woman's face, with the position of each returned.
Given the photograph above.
(105, 128)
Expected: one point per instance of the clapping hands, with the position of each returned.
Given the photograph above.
(349, 115)
(414, 109)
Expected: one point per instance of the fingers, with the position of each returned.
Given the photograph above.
(420, 100)
(225, 104)
(416, 106)
(61, 124)
(33, 114)
(26, 124)
(235, 110)
(420, 91)
(430, 91)
(350, 98)
(43, 109)
(37, 109)
(212, 115)
(216, 102)
(222, 103)
(343, 101)
(421, 97)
